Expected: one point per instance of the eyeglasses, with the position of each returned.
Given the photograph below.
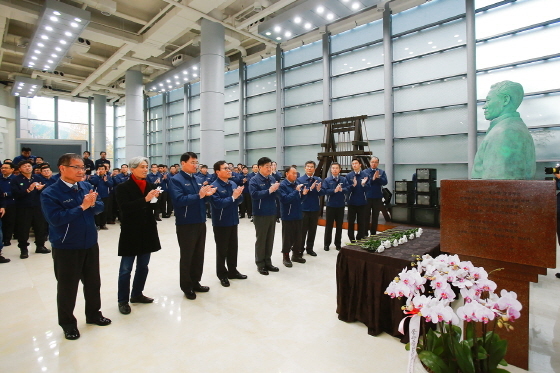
(79, 168)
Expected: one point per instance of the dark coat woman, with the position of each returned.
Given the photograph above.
(139, 235)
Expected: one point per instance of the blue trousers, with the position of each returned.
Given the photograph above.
(140, 276)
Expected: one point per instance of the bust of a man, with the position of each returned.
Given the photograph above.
(507, 151)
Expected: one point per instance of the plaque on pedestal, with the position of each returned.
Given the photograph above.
(509, 224)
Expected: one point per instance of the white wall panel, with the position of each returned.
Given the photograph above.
(262, 67)
(231, 109)
(231, 142)
(442, 149)
(253, 155)
(431, 122)
(176, 94)
(359, 82)
(357, 36)
(261, 103)
(357, 59)
(303, 53)
(304, 94)
(453, 62)
(261, 121)
(433, 94)
(195, 103)
(518, 14)
(430, 40)
(303, 114)
(176, 148)
(298, 155)
(375, 128)
(176, 134)
(231, 77)
(306, 73)
(359, 105)
(535, 77)
(427, 13)
(231, 93)
(176, 121)
(261, 139)
(261, 85)
(304, 135)
(194, 117)
(231, 126)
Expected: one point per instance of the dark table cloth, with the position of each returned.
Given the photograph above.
(363, 276)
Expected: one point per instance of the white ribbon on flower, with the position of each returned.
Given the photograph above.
(414, 334)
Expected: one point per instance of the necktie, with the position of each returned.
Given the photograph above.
(336, 179)
(75, 187)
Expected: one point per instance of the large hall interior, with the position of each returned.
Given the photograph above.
(239, 80)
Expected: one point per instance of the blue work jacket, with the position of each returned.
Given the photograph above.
(357, 194)
(375, 187)
(23, 198)
(224, 207)
(6, 188)
(264, 203)
(188, 206)
(311, 202)
(70, 227)
(103, 184)
(290, 201)
(335, 199)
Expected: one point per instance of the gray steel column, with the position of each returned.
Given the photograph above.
(99, 125)
(90, 122)
(242, 150)
(212, 62)
(279, 108)
(165, 126)
(135, 129)
(186, 120)
(388, 97)
(471, 84)
(115, 155)
(327, 84)
(56, 117)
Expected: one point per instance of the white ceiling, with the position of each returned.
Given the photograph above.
(146, 35)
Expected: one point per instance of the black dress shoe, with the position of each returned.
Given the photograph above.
(42, 250)
(124, 308)
(24, 254)
(311, 252)
(7, 243)
(237, 276)
(272, 268)
(557, 275)
(101, 321)
(166, 216)
(190, 294)
(262, 271)
(71, 333)
(141, 299)
(327, 248)
(224, 281)
(104, 228)
(201, 289)
(158, 219)
(4, 260)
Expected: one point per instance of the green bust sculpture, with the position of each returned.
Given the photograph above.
(507, 151)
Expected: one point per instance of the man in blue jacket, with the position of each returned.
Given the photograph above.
(26, 189)
(336, 187)
(189, 197)
(357, 200)
(154, 177)
(225, 222)
(374, 193)
(291, 196)
(263, 189)
(25, 156)
(9, 217)
(205, 178)
(103, 184)
(310, 206)
(246, 206)
(164, 201)
(69, 206)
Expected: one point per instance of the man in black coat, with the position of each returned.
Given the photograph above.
(139, 235)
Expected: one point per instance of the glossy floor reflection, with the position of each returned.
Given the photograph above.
(284, 322)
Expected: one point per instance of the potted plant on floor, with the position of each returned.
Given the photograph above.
(433, 288)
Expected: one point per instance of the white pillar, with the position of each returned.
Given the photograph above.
(135, 129)
(212, 62)
(99, 125)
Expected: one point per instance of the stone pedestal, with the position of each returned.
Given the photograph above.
(508, 224)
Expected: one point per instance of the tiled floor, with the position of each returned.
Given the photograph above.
(285, 322)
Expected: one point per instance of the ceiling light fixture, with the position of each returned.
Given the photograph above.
(297, 20)
(56, 19)
(320, 9)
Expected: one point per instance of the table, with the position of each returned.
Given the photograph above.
(363, 276)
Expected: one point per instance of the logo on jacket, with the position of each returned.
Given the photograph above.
(68, 200)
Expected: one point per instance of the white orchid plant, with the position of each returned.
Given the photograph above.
(430, 288)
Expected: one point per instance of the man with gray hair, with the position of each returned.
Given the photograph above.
(139, 234)
(69, 205)
(508, 150)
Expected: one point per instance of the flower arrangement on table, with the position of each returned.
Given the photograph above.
(384, 240)
(430, 288)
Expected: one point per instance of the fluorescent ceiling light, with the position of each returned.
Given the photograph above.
(26, 87)
(52, 33)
